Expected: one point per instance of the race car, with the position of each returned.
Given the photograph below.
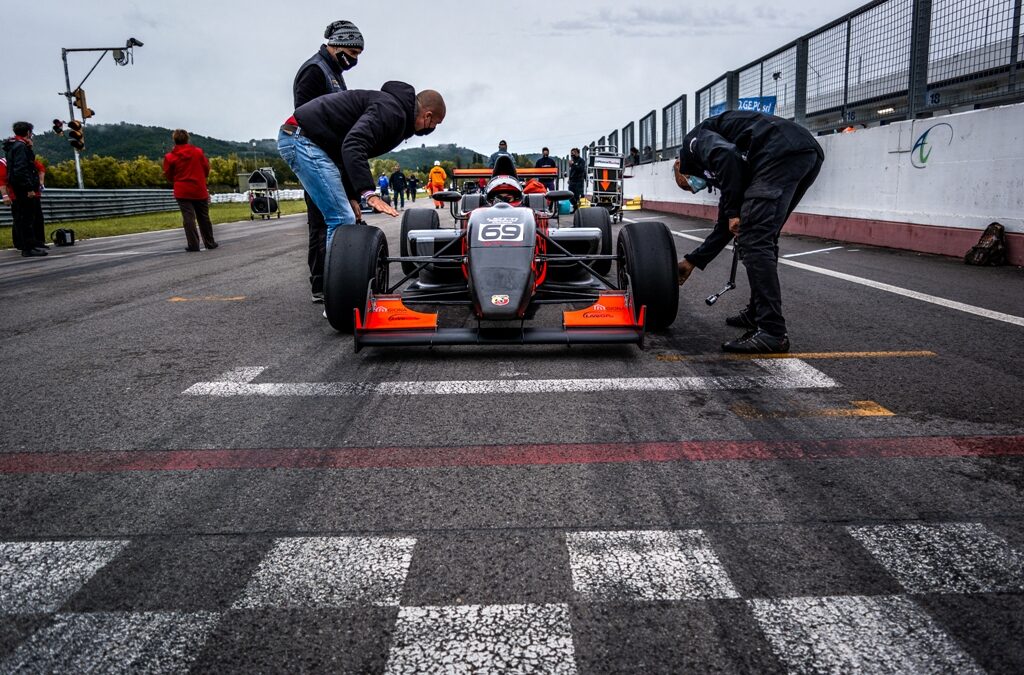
(505, 256)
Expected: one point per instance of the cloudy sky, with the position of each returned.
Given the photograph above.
(557, 73)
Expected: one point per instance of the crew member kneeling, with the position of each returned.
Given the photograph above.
(328, 143)
(763, 165)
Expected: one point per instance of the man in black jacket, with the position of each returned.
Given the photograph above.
(546, 162)
(329, 141)
(577, 176)
(763, 166)
(322, 74)
(398, 185)
(24, 186)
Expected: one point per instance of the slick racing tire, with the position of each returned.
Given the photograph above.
(647, 265)
(357, 261)
(415, 219)
(599, 218)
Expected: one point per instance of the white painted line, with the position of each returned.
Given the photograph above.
(646, 566)
(326, 572)
(38, 577)
(820, 250)
(482, 639)
(780, 374)
(945, 557)
(147, 642)
(854, 634)
(923, 297)
(86, 255)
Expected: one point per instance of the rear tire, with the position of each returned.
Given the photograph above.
(599, 218)
(357, 261)
(415, 219)
(647, 263)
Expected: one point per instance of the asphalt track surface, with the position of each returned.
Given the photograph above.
(197, 473)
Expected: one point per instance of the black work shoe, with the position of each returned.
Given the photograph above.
(742, 320)
(189, 249)
(33, 253)
(210, 247)
(758, 342)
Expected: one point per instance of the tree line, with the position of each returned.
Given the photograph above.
(109, 173)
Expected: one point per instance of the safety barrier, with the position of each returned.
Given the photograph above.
(62, 205)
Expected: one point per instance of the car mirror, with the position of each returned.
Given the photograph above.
(558, 195)
(448, 196)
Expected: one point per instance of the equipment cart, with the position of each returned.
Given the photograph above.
(605, 169)
(263, 194)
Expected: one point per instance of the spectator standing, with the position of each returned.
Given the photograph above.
(328, 143)
(399, 183)
(577, 176)
(382, 183)
(634, 157)
(502, 150)
(414, 183)
(546, 162)
(186, 167)
(23, 190)
(38, 226)
(436, 181)
(322, 74)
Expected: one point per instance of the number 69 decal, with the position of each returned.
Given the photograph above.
(500, 230)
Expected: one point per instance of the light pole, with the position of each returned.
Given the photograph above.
(122, 57)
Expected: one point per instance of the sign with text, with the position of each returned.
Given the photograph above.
(765, 104)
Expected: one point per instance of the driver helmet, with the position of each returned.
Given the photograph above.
(505, 189)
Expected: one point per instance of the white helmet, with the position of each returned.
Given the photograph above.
(437, 162)
(505, 189)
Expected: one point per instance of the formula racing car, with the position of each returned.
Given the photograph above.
(504, 257)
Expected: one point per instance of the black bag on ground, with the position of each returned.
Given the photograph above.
(63, 237)
(990, 249)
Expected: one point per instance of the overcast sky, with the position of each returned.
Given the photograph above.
(557, 73)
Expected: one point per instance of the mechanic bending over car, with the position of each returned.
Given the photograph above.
(763, 166)
(329, 141)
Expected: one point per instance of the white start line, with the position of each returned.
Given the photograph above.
(777, 374)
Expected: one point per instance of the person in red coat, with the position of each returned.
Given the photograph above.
(186, 167)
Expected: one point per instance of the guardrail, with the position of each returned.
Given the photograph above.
(61, 205)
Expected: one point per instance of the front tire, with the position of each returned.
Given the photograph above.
(415, 219)
(648, 266)
(357, 261)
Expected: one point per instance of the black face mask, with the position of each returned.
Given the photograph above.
(425, 132)
(347, 62)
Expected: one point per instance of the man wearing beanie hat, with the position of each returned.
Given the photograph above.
(322, 74)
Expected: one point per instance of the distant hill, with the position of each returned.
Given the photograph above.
(128, 141)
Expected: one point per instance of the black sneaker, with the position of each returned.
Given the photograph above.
(742, 320)
(758, 342)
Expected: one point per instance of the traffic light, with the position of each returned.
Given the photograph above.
(58, 127)
(76, 135)
(79, 95)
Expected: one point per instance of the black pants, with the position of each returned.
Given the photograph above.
(27, 228)
(399, 197)
(412, 193)
(577, 192)
(195, 211)
(317, 245)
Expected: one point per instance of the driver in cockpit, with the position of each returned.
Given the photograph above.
(504, 189)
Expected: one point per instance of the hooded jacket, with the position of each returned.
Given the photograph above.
(22, 174)
(353, 126)
(186, 167)
(730, 148)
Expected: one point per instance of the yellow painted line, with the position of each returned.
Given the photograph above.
(209, 298)
(859, 409)
(795, 355)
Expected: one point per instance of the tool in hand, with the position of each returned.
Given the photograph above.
(731, 284)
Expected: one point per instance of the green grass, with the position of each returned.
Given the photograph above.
(148, 222)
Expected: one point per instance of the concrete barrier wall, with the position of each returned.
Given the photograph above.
(928, 185)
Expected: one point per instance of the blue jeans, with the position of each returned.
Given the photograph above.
(320, 177)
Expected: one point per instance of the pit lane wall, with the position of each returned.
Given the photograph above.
(928, 185)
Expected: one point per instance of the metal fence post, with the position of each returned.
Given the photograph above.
(917, 87)
(800, 84)
(1015, 46)
(732, 90)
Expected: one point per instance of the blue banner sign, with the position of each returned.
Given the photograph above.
(765, 104)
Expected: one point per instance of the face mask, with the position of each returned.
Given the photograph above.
(425, 131)
(347, 62)
(696, 183)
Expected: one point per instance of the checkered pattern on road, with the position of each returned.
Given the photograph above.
(803, 598)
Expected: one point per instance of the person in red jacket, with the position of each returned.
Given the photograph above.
(186, 167)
